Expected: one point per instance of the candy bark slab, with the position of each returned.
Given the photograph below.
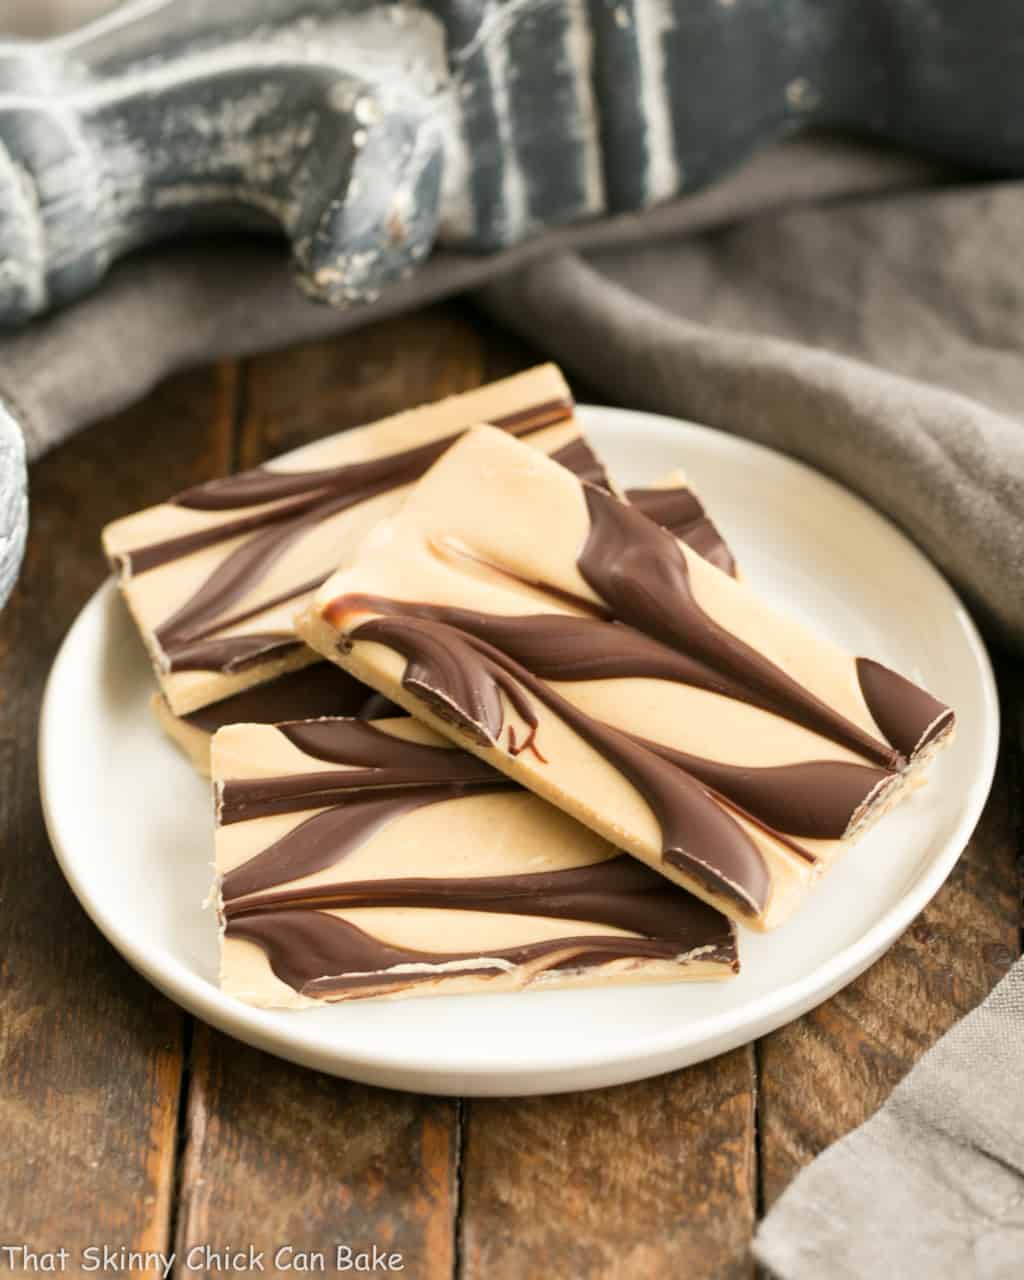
(569, 641)
(214, 576)
(361, 858)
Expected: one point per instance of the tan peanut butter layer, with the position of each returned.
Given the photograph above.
(361, 858)
(214, 576)
(569, 641)
(322, 689)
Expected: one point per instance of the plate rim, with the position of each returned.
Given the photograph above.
(639, 1056)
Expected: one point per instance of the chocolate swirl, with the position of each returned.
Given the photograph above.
(374, 760)
(816, 799)
(319, 954)
(276, 509)
(463, 675)
(908, 715)
(324, 839)
(679, 510)
(638, 570)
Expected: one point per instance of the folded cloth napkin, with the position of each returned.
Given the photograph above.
(932, 1186)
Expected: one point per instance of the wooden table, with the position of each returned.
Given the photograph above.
(125, 1122)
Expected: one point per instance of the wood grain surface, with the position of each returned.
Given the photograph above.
(125, 1123)
(649, 1179)
(278, 1157)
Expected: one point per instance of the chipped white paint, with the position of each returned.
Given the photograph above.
(25, 271)
(578, 67)
(458, 217)
(13, 501)
(341, 97)
(801, 95)
(652, 19)
(366, 110)
(495, 53)
(499, 18)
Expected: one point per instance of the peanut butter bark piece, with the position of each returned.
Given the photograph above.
(374, 858)
(214, 576)
(567, 640)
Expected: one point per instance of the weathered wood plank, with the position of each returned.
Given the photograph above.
(650, 1179)
(90, 1054)
(825, 1074)
(281, 1157)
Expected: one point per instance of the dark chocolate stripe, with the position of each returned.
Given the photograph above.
(154, 554)
(679, 510)
(181, 631)
(815, 799)
(325, 838)
(638, 569)
(466, 694)
(377, 707)
(233, 653)
(314, 953)
(578, 457)
(620, 892)
(908, 716)
(376, 760)
(246, 798)
(560, 647)
(350, 742)
(461, 678)
(321, 689)
(259, 485)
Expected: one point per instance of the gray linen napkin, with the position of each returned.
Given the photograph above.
(932, 1186)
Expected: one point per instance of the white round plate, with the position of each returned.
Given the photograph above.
(131, 822)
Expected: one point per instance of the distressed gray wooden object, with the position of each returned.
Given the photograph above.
(366, 131)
